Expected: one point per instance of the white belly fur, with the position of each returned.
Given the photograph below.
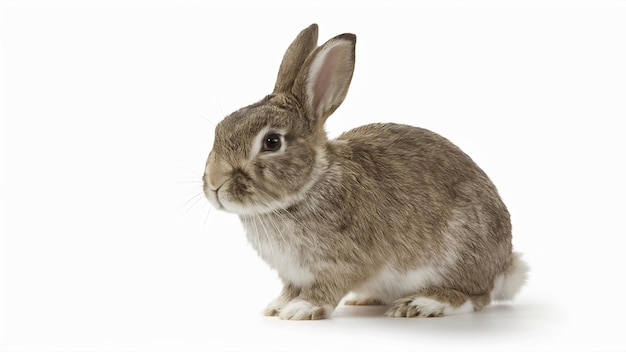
(391, 284)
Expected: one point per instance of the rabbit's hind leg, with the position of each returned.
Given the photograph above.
(436, 302)
(363, 301)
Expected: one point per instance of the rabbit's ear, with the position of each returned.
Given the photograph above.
(323, 82)
(295, 56)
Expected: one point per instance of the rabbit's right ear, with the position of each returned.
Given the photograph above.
(295, 56)
(323, 81)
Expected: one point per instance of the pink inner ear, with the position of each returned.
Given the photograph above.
(324, 75)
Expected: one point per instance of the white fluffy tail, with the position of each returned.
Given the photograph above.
(508, 284)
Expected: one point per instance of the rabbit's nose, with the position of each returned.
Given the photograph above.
(216, 172)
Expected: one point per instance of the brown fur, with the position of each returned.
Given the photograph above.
(379, 196)
(365, 302)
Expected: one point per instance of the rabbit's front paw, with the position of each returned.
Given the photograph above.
(302, 310)
(275, 306)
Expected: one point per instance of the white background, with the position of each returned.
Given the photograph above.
(108, 110)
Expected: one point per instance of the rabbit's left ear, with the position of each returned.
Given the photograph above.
(323, 82)
(295, 56)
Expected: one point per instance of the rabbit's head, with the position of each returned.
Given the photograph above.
(267, 155)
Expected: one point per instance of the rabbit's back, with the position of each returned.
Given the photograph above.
(410, 161)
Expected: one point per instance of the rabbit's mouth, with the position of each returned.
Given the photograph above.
(217, 199)
(224, 199)
(212, 195)
(213, 198)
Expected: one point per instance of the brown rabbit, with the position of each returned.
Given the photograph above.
(395, 214)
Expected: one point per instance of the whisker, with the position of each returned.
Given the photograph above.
(278, 215)
(256, 234)
(193, 201)
(195, 172)
(219, 104)
(267, 235)
(206, 218)
(264, 196)
(207, 119)
(283, 211)
(191, 181)
(287, 212)
(194, 190)
(275, 226)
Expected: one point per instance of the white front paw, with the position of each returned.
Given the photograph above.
(275, 306)
(302, 310)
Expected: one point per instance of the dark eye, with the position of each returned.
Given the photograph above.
(271, 142)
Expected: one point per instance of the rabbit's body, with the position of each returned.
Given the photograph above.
(396, 214)
(431, 231)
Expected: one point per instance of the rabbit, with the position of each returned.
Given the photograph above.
(393, 214)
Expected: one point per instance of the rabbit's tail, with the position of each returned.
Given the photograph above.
(508, 284)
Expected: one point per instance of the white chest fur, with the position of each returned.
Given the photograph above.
(276, 245)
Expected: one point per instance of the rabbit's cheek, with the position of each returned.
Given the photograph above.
(294, 172)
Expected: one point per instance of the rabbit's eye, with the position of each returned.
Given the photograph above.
(271, 142)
